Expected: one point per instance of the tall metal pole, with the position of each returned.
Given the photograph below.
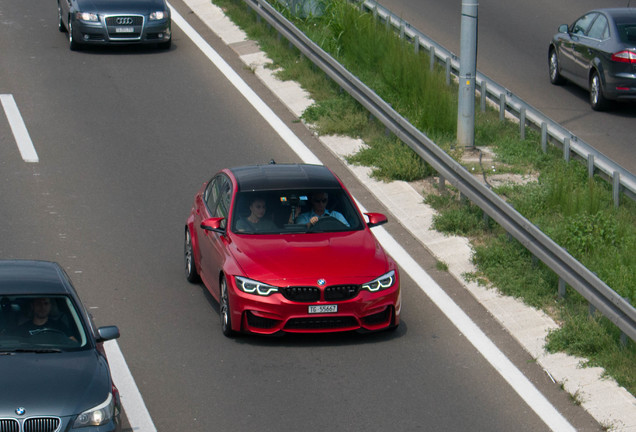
(467, 74)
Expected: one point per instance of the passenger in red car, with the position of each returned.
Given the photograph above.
(318, 210)
(256, 221)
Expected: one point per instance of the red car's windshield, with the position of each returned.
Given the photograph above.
(294, 211)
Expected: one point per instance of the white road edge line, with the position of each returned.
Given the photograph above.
(134, 406)
(136, 410)
(20, 132)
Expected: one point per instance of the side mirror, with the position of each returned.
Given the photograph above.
(563, 28)
(107, 333)
(213, 224)
(376, 219)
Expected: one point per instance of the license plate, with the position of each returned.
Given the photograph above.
(323, 309)
(124, 29)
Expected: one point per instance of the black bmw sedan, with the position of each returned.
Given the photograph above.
(597, 52)
(108, 22)
(53, 369)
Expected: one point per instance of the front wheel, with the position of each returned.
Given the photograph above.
(72, 43)
(60, 22)
(597, 99)
(225, 311)
(190, 267)
(553, 65)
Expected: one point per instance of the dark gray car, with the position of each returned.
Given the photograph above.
(53, 370)
(597, 52)
(109, 22)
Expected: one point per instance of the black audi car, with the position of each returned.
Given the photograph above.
(108, 22)
(53, 370)
(598, 53)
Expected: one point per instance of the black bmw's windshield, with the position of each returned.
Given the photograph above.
(40, 325)
(294, 211)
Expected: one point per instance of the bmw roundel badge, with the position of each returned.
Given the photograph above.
(20, 411)
(321, 282)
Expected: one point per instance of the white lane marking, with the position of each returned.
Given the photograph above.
(134, 406)
(528, 392)
(517, 380)
(20, 132)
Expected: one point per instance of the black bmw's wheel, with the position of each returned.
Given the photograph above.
(190, 266)
(225, 311)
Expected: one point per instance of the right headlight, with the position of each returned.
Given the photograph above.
(97, 416)
(383, 282)
(254, 287)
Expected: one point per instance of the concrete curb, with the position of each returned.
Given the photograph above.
(611, 405)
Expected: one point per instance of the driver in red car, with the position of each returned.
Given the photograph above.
(319, 210)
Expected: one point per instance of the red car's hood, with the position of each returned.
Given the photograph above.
(350, 257)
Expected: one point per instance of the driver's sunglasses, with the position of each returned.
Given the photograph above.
(323, 200)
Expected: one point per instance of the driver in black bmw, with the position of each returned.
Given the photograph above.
(40, 320)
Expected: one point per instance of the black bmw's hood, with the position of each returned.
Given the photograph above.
(58, 384)
(122, 6)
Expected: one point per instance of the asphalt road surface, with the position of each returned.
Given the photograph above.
(125, 136)
(513, 38)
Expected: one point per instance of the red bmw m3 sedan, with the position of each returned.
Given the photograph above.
(284, 248)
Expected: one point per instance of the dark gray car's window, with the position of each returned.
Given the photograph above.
(599, 29)
(37, 323)
(627, 33)
(581, 25)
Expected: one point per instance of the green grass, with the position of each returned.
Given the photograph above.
(577, 212)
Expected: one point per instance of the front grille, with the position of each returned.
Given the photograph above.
(321, 323)
(9, 425)
(41, 424)
(341, 292)
(133, 23)
(301, 294)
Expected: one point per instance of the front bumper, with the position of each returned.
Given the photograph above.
(137, 30)
(367, 311)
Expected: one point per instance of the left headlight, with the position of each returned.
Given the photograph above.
(96, 416)
(383, 282)
(158, 15)
(254, 287)
(87, 16)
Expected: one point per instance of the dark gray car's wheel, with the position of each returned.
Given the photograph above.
(72, 43)
(597, 99)
(225, 311)
(553, 64)
(60, 22)
(190, 266)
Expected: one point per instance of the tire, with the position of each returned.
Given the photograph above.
(597, 99)
(190, 267)
(553, 68)
(225, 310)
(72, 43)
(60, 23)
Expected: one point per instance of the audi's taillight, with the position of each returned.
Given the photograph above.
(625, 56)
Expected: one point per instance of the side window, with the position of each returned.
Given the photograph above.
(581, 25)
(599, 29)
(211, 194)
(225, 198)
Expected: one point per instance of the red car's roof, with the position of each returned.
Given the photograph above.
(284, 176)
